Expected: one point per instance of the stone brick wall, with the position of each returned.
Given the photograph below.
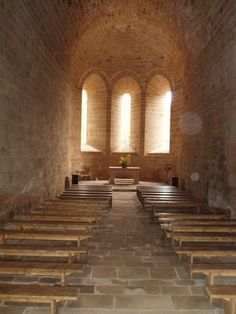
(209, 108)
(34, 111)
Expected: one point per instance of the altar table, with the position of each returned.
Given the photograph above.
(113, 171)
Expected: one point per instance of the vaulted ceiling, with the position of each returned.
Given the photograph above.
(116, 35)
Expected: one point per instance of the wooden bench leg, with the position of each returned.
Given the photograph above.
(53, 307)
(63, 279)
(191, 258)
(210, 279)
(232, 306)
(2, 240)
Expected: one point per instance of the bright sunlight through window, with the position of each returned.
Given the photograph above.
(84, 117)
(165, 127)
(125, 120)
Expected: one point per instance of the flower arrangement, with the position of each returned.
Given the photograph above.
(125, 161)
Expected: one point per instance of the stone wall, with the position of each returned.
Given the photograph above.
(34, 110)
(209, 102)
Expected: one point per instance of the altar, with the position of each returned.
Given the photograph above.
(134, 171)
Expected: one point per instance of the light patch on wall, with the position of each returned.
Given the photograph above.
(191, 123)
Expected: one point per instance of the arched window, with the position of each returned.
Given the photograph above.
(84, 117)
(125, 121)
(125, 116)
(158, 115)
(93, 115)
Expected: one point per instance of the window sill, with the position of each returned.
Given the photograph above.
(89, 149)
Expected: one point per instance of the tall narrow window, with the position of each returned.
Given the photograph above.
(125, 120)
(158, 116)
(165, 125)
(125, 116)
(84, 117)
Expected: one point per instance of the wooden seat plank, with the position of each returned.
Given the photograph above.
(212, 270)
(39, 269)
(212, 237)
(203, 229)
(57, 217)
(39, 294)
(44, 235)
(219, 251)
(226, 293)
(44, 224)
(72, 253)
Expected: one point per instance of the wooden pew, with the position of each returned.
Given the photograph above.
(203, 229)
(59, 217)
(46, 225)
(213, 270)
(161, 188)
(43, 235)
(74, 207)
(175, 194)
(179, 217)
(85, 192)
(158, 205)
(211, 237)
(86, 196)
(71, 253)
(38, 294)
(82, 213)
(60, 270)
(200, 222)
(88, 187)
(204, 251)
(78, 202)
(226, 293)
(156, 200)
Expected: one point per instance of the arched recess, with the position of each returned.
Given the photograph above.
(95, 114)
(158, 116)
(125, 86)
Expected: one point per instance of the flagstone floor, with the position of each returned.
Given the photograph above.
(130, 270)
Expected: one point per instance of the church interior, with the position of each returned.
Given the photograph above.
(118, 156)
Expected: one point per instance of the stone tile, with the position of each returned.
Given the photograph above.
(162, 273)
(93, 301)
(104, 272)
(144, 302)
(191, 302)
(110, 289)
(152, 283)
(133, 273)
(121, 253)
(181, 290)
(134, 290)
(12, 310)
(104, 311)
(178, 312)
(152, 290)
(197, 290)
(184, 282)
(39, 310)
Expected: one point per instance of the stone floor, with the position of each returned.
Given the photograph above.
(130, 270)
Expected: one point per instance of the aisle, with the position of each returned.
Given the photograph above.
(130, 271)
